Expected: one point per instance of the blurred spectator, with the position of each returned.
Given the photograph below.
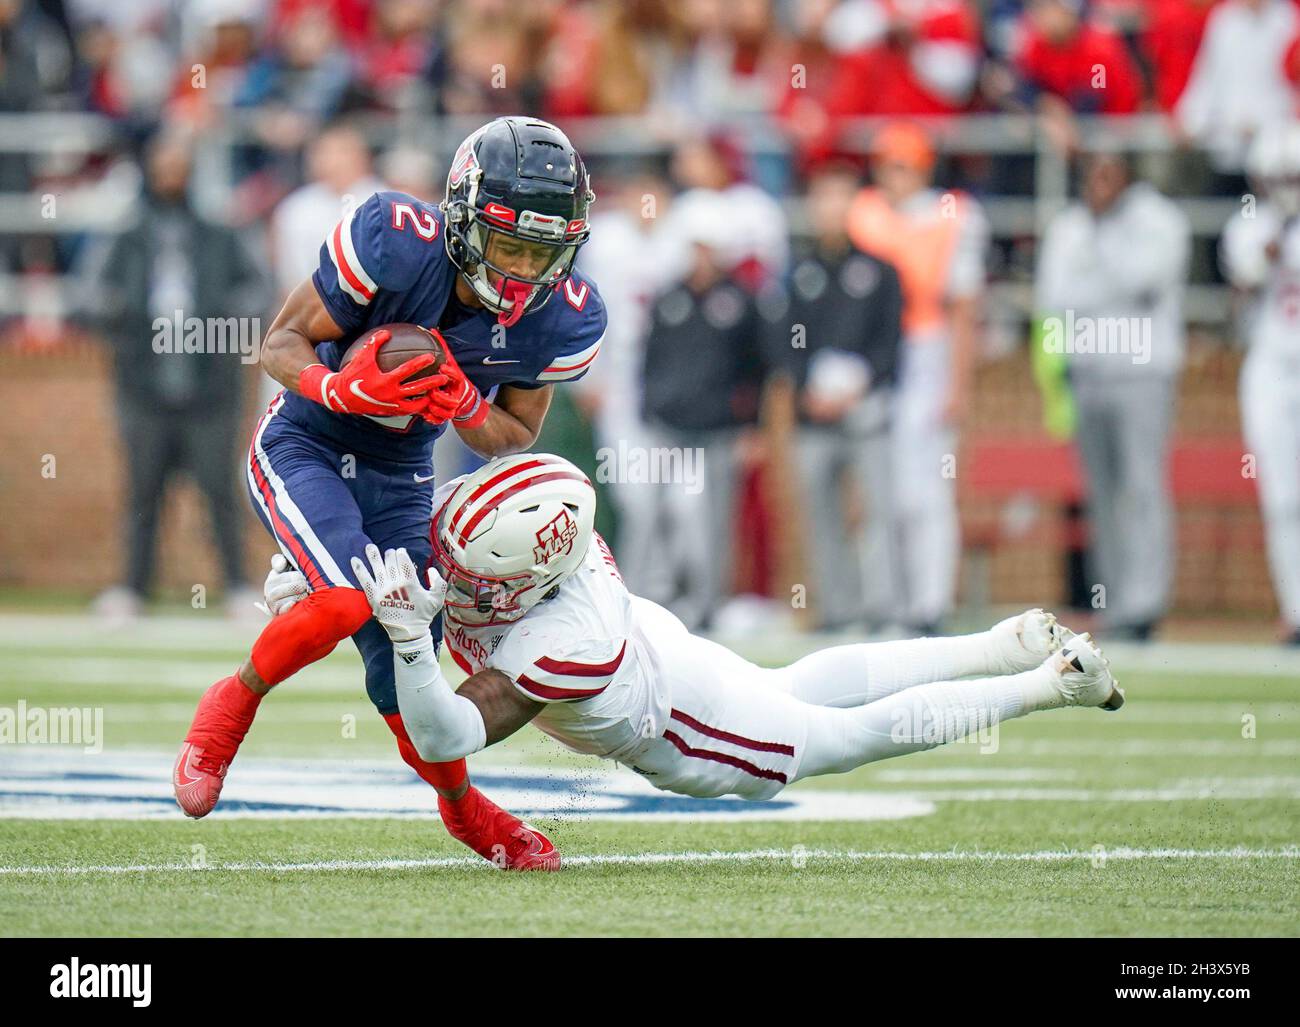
(842, 364)
(178, 409)
(1261, 257)
(630, 256)
(710, 172)
(937, 243)
(297, 84)
(493, 55)
(1169, 42)
(222, 44)
(400, 52)
(413, 170)
(349, 19)
(737, 65)
(702, 374)
(339, 179)
(805, 106)
(1238, 83)
(600, 59)
(1111, 276)
(904, 56)
(36, 54)
(20, 82)
(126, 69)
(1068, 63)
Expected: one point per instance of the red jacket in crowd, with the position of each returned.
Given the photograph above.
(1092, 71)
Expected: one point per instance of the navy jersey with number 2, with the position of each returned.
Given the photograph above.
(325, 484)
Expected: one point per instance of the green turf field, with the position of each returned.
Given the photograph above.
(1177, 815)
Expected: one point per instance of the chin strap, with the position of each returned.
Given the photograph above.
(517, 293)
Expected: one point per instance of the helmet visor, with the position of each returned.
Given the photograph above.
(508, 257)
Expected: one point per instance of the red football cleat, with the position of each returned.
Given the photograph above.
(222, 720)
(197, 779)
(499, 837)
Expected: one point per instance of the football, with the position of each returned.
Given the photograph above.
(408, 341)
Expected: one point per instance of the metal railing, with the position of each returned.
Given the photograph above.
(106, 207)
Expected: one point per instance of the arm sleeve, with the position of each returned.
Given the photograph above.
(443, 726)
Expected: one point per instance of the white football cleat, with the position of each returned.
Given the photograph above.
(1024, 641)
(1083, 676)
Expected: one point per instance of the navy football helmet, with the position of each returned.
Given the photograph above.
(516, 213)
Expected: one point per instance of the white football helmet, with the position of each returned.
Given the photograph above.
(1273, 164)
(511, 532)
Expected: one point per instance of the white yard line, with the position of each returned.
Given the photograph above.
(797, 855)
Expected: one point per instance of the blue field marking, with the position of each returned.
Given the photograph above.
(36, 783)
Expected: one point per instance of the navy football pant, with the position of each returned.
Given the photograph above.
(323, 506)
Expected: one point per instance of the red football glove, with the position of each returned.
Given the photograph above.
(360, 387)
(457, 399)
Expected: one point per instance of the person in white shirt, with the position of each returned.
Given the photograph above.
(340, 178)
(632, 255)
(1260, 254)
(1110, 283)
(1238, 85)
(536, 614)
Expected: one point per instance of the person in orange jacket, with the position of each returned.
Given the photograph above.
(936, 240)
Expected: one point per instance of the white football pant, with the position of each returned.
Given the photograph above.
(739, 729)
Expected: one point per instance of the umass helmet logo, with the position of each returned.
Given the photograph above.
(556, 538)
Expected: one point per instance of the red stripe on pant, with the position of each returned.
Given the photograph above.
(447, 776)
(282, 531)
(728, 736)
(723, 757)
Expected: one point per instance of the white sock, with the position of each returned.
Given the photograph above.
(920, 718)
(851, 675)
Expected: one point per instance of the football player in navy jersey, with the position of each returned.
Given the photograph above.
(343, 456)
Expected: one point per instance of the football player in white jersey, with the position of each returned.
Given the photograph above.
(538, 617)
(1260, 254)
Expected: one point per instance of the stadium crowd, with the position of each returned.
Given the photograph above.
(885, 271)
(281, 70)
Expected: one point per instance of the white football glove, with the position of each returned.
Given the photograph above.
(284, 586)
(400, 602)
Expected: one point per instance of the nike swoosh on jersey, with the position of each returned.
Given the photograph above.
(420, 479)
(489, 360)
